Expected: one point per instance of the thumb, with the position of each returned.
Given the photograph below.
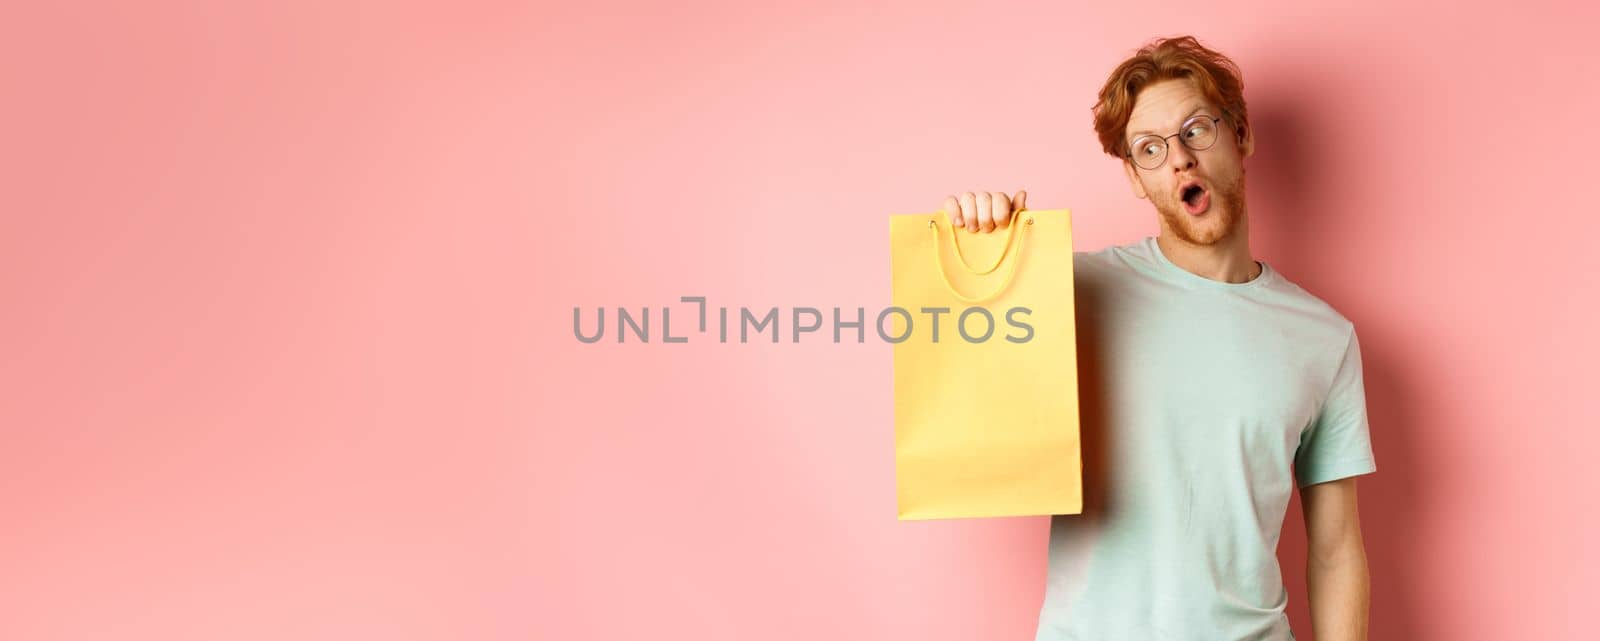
(1019, 201)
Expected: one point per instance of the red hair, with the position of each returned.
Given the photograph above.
(1213, 74)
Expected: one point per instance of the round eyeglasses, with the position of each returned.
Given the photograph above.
(1198, 133)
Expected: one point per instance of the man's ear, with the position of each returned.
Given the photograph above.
(1247, 141)
(1133, 179)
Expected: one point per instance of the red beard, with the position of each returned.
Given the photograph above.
(1216, 225)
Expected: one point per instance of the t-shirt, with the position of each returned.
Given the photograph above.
(1203, 404)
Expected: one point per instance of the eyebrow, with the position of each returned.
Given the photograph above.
(1192, 112)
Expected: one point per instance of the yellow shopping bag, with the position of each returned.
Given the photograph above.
(985, 411)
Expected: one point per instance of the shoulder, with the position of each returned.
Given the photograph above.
(1117, 267)
(1109, 257)
(1311, 310)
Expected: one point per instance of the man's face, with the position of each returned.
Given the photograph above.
(1214, 177)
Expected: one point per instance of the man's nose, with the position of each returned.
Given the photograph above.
(1180, 157)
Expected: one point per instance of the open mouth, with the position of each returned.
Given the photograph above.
(1196, 199)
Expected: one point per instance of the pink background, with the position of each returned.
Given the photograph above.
(288, 290)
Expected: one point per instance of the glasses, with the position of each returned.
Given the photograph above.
(1149, 151)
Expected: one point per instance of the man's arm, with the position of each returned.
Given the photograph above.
(1336, 561)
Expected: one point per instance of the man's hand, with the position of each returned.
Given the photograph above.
(983, 211)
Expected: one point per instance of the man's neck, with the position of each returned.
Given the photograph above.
(1228, 260)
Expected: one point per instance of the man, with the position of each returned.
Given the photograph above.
(1213, 385)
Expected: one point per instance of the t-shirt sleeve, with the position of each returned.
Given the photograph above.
(1337, 444)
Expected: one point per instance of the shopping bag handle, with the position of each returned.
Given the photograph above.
(1011, 271)
(1009, 233)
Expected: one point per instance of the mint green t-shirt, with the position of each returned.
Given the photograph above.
(1204, 405)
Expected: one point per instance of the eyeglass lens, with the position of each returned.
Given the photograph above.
(1150, 151)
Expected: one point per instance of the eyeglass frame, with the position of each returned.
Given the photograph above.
(1165, 147)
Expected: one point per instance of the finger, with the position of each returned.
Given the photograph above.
(969, 211)
(985, 211)
(1019, 203)
(1002, 209)
(952, 208)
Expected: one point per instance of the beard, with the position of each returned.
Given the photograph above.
(1216, 225)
